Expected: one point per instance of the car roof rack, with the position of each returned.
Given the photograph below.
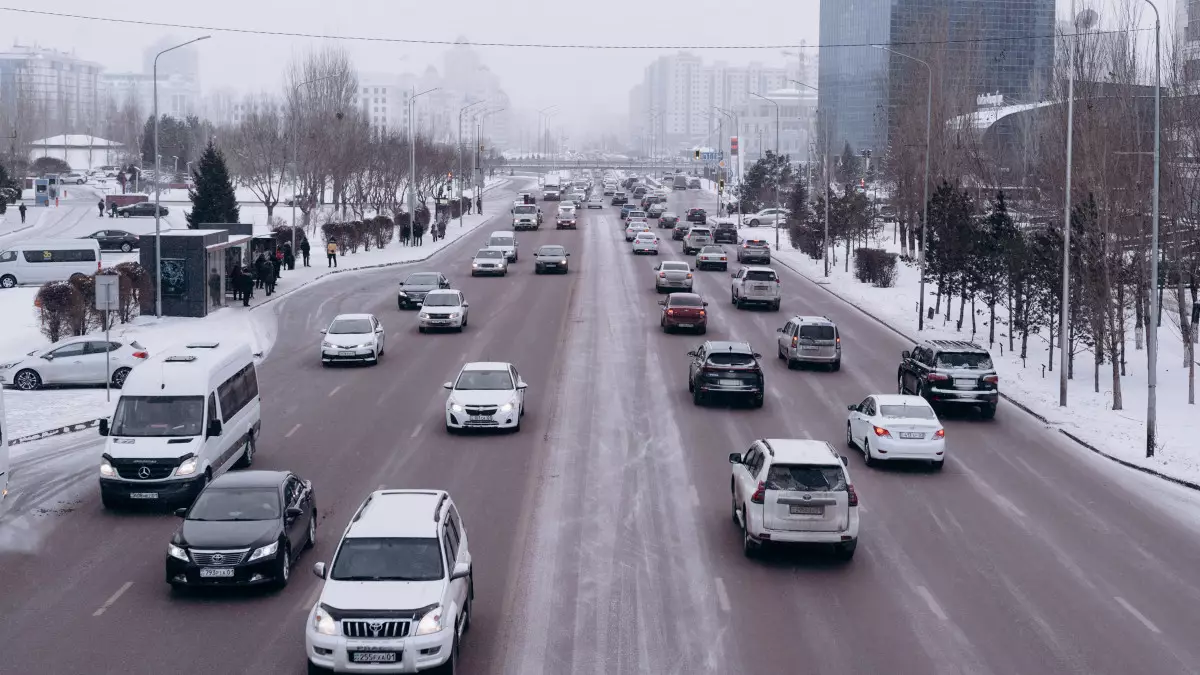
(437, 510)
(203, 345)
(767, 445)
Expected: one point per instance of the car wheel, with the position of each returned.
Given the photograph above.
(118, 377)
(937, 465)
(400, 305)
(754, 223)
(311, 540)
(285, 566)
(845, 551)
(697, 397)
(775, 306)
(836, 366)
(27, 380)
(420, 329)
(109, 502)
(757, 401)
(248, 455)
(749, 548)
(702, 330)
(866, 450)
(450, 430)
(537, 270)
(779, 351)
(314, 669)
(737, 302)
(126, 248)
(850, 437)
(733, 505)
(8, 281)
(989, 411)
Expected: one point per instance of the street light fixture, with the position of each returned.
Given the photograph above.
(777, 158)
(737, 129)
(412, 156)
(296, 149)
(158, 183)
(825, 254)
(460, 156)
(483, 115)
(925, 203)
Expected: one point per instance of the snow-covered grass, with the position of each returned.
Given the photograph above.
(31, 412)
(1088, 415)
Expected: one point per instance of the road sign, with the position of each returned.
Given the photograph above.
(721, 164)
(108, 292)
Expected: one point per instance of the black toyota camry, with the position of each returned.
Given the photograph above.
(245, 528)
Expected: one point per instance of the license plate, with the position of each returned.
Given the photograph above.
(798, 510)
(761, 287)
(687, 325)
(964, 382)
(480, 418)
(911, 434)
(143, 495)
(809, 348)
(216, 572)
(345, 353)
(439, 322)
(373, 657)
(729, 383)
(551, 264)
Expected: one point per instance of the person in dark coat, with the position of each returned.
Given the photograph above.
(214, 287)
(260, 270)
(269, 277)
(276, 268)
(235, 281)
(247, 279)
(289, 258)
(101, 206)
(112, 210)
(22, 210)
(305, 249)
(479, 205)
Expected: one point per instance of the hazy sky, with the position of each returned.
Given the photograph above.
(590, 86)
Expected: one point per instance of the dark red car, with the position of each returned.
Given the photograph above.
(684, 311)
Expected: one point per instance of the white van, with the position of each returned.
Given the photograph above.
(36, 262)
(507, 240)
(184, 417)
(4, 440)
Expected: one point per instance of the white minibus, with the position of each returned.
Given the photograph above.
(37, 262)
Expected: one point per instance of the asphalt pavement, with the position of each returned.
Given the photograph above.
(601, 532)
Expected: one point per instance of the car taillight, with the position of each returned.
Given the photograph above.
(745, 245)
(670, 312)
(141, 355)
(795, 341)
(722, 258)
(689, 275)
(992, 379)
(759, 494)
(936, 377)
(853, 495)
(777, 281)
(837, 340)
(940, 433)
(880, 431)
(662, 275)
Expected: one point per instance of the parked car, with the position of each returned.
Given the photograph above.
(141, 209)
(73, 177)
(693, 183)
(74, 361)
(115, 240)
(768, 218)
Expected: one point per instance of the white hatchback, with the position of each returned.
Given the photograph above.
(645, 242)
(485, 395)
(896, 426)
(74, 361)
(352, 337)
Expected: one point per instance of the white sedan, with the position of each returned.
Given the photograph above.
(896, 426)
(443, 308)
(352, 337)
(486, 395)
(645, 242)
(633, 228)
(74, 361)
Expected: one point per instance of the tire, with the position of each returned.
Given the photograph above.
(754, 223)
(314, 669)
(866, 450)
(697, 397)
(702, 330)
(779, 352)
(126, 247)
(537, 270)
(737, 302)
(836, 366)
(988, 411)
(420, 329)
(450, 667)
(283, 575)
(845, 551)
(733, 506)
(775, 306)
(311, 540)
(937, 466)
(118, 377)
(109, 503)
(247, 456)
(400, 304)
(27, 380)
(749, 548)
(8, 281)
(850, 438)
(757, 401)
(467, 609)
(450, 430)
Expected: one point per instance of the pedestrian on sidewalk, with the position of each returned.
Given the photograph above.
(214, 287)
(479, 205)
(269, 279)
(22, 210)
(235, 281)
(276, 267)
(112, 210)
(304, 250)
(331, 253)
(470, 206)
(101, 207)
(247, 287)
(289, 258)
(260, 271)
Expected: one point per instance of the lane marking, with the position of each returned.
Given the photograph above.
(115, 596)
(722, 595)
(335, 390)
(933, 604)
(294, 429)
(417, 430)
(311, 600)
(1137, 615)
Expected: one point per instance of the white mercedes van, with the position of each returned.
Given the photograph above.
(185, 416)
(37, 262)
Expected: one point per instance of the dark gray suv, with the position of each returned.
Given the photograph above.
(950, 372)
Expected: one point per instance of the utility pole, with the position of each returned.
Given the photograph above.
(777, 160)
(1155, 306)
(460, 157)
(412, 156)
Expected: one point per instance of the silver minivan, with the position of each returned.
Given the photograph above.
(696, 239)
(810, 339)
(507, 240)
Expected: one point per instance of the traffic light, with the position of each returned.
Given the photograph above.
(733, 145)
(697, 155)
(720, 184)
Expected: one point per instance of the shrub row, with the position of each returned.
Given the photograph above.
(875, 266)
(68, 308)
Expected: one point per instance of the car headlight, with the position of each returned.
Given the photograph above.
(562, 261)
(326, 345)
(474, 264)
(507, 407)
(106, 469)
(177, 552)
(423, 316)
(454, 315)
(264, 552)
(456, 407)
(323, 623)
(188, 467)
(403, 294)
(431, 622)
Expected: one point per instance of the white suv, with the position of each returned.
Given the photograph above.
(793, 491)
(755, 284)
(397, 596)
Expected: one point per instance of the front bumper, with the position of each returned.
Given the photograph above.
(425, 322)
(261, 571)
(498, 420)
(164, 491)
(565, 225)
(497, 269)
(336, 355)
(551, 267)
(411, 299)
(415, 654)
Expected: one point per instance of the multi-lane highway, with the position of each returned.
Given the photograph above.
(601, 531)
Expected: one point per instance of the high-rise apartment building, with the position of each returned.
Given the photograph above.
(974, 47)
(44, 92)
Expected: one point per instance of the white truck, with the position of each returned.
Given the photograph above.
(552, 188)
(526, 217)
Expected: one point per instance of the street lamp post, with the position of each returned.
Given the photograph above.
(925, 203)
(777, 158)
(158, 183)
(296, 150)
(720, 145)
(478, 143)
(460, 156)
(737, 130)
(541, 136)
(825, 254)
(1152, 335)
(412, 155)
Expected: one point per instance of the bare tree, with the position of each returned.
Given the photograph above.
(258, 151)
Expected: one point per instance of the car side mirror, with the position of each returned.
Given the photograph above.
(905, 354)
(379, 330)
(462, 570)
(323, 331)
(568, 255)
(692, 353)
(293, 512)
(704, 304)
(181, 512)
(735, 458)
(733, 274)
(319, 570)
(466, 305)
(48, 357)
(845, 462)
(103, 426)
(522, 385)
(214, 428)
(757, 355)
(853, 407)
(447, 385)
(663, 303)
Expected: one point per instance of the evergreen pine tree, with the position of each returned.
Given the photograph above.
(213, 198)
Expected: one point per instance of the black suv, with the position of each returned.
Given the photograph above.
(721, 368)
(951, 372)
(725, 233)
(697, 216)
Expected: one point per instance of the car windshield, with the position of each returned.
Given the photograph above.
(675, 267)
(680, 300)
(920, 412)
(817, 332)
(388, 559)
(637, 214)
(500, 241)
(731, 359)
(968, 360)
(490, 254)
(755, 242)
(551, 251)
(760, 275)
(350, 327)
(524, 209)
(441, 300)
(158, 416)
(803, 478)
(421, 280)
(485, 380)
(645, 236)
(236, 504)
